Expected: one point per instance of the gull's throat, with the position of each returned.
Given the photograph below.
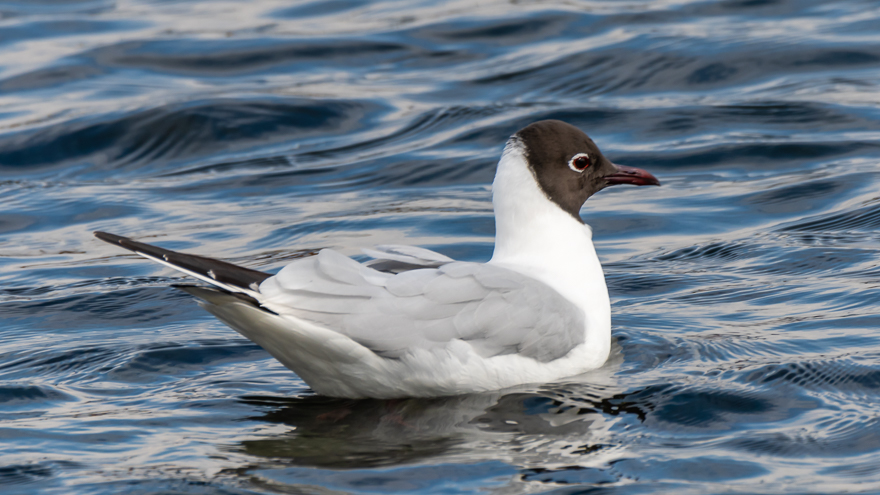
(533, 233)
(535, 237)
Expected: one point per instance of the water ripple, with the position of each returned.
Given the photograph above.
(744, 290)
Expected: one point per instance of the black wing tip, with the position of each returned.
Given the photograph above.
(224, 272)
(111, 238)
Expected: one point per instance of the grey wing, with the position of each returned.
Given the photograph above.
(495, 310)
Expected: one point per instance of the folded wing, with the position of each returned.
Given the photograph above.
(406, 299)
(495, 310)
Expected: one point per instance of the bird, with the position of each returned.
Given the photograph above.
(411, 322)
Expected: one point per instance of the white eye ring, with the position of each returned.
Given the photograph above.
(571, 163)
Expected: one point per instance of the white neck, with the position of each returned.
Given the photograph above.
(534, 236)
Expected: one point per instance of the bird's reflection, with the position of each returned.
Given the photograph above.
(561, 421)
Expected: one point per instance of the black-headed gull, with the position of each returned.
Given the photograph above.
(415, 323)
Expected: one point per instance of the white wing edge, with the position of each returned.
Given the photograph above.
(406, 254)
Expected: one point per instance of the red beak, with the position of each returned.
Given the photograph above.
(631, 175)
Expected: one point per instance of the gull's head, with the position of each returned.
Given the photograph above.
(568, 166)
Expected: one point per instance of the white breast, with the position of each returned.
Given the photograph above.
(534, 236)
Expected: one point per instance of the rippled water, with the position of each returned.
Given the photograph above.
(745, 290)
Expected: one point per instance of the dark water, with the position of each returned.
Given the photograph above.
(745, 290)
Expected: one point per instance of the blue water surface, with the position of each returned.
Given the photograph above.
(745, 290)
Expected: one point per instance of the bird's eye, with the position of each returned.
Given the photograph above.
(579, 162)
